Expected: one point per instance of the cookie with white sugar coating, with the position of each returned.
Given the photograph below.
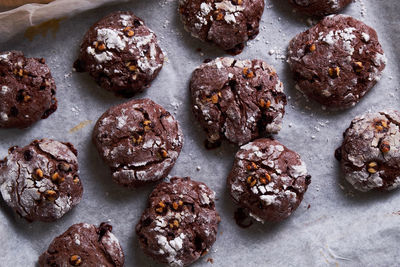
(237, 100)
(180, 223)
(40, 181)
(370, 153)
(84, 244)
(320, 7)
(27, 90)
(139, 140)
(337, 61)
(227, 23)
(268, 180)
(121, 53)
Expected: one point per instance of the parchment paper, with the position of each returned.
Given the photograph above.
(18, 19)
(334, 226)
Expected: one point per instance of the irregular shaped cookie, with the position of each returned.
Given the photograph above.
(139, 140)
(27, 90)
(227, 23)
(121, 53)
(180, 223)
(268, 179)
(370, 152)
(337, 61)
(84, 245)
(237, 100)
(320, 7)
(40, 181)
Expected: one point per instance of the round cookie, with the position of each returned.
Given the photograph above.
(320, 7)
(139, 140)
(40, 181)
(337, 61)
(27, 90)
(84, 245)
(227, 23)
(268, 180)
(180, 223)
(370, 153)
(121, 53)
(237, 100)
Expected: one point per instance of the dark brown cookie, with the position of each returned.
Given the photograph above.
(337, 61)
(370, 152)
(227, 23)
(180, 223)
(139, 140)
(40, 181)
(320, 7)
(84, 245)
(121, 53)
(268, 180)
(27, 90)
(237, 100)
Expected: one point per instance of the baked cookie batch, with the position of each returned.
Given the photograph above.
(336, 62)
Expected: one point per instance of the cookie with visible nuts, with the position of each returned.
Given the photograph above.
(337, 61)
(227, 23)
(268, 180)
(40, 181)
(84, 245)
(139, 140)
(237, 100)
(121, 53)
(370, 153)
(180, 223)
(320, 7)
(27, 90)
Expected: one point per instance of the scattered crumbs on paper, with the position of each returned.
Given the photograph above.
(80, 126)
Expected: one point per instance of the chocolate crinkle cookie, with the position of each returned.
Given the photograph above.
(180, 223)
(268, 180)
(139, 140)
(84, 244)
(121, 53)
(227, 23)
(238, 100)
(27, 90)
(337, 61)
(40, 181)
(320, 7)
(370, 152)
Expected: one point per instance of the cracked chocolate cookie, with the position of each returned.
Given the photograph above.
(121, 53)
(40, 181)
(180, 223)
(84, 245)
(27, 90)
(320, 7)
(337, 61)
(370, 152)
(139, 140)
(227, 23)
(268, 180)
(238, 100)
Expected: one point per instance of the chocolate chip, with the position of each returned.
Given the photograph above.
(28, 155)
